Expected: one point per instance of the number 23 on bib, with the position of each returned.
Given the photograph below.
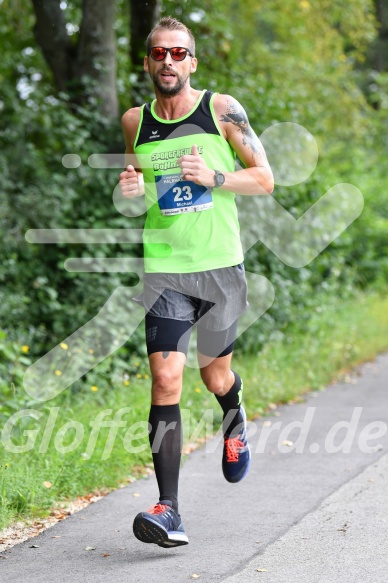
(181, 196)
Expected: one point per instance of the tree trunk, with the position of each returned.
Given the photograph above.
(96, 63)
(50, 34)
(144, 16)
(89, 67)
(382, 42)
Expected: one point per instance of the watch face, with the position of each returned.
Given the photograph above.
(219, 178)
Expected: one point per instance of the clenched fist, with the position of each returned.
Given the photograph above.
(131, 182)
(194, 168)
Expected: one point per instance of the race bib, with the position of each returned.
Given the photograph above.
(181, 196)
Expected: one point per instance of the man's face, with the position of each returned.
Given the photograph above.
(170, 76)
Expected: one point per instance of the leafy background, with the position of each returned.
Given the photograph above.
(320, 64)
(301, 61)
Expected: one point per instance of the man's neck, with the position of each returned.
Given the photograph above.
(175, 106)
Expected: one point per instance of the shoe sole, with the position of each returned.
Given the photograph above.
(148, 531)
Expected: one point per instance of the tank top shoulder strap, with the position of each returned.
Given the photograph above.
(203, 115)
(147, 109)
(205, 101)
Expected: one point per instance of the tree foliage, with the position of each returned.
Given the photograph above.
(64, 86)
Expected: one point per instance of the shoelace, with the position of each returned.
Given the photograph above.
(157, 509)
(232, 446)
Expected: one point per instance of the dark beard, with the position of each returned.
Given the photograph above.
(170, 91)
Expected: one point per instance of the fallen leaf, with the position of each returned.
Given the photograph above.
(60, 515)
(47, 484)
(106, 555)
(20, 532)
(136, 494)
(287, 442)
(90, 548)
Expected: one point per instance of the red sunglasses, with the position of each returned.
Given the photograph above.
(177, 53)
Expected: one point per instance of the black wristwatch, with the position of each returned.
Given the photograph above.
(219, 178)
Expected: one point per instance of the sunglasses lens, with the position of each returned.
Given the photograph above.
(158, 53)
(178, 54)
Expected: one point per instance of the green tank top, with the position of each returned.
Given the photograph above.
(188, 227)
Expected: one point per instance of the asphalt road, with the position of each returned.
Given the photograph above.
(317, 513)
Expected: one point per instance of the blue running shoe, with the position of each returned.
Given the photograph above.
(160, 525)
(236, 458)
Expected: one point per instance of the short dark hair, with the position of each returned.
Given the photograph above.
(170, 23)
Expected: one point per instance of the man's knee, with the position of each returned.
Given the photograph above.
(166, 385)
(216, 382)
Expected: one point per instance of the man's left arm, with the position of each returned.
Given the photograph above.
(256, 177)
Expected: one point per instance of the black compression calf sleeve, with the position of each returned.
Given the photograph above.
(229, 403)
(166, 446)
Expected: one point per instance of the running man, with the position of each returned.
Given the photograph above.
(186, 142)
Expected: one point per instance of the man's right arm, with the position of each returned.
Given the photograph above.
(131, 180)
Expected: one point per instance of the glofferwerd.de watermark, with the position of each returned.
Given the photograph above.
(30, 429)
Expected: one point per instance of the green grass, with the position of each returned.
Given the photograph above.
(338, 336)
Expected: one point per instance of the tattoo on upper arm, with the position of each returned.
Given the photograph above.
(236, 115)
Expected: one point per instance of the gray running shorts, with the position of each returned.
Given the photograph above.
(217, 297)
